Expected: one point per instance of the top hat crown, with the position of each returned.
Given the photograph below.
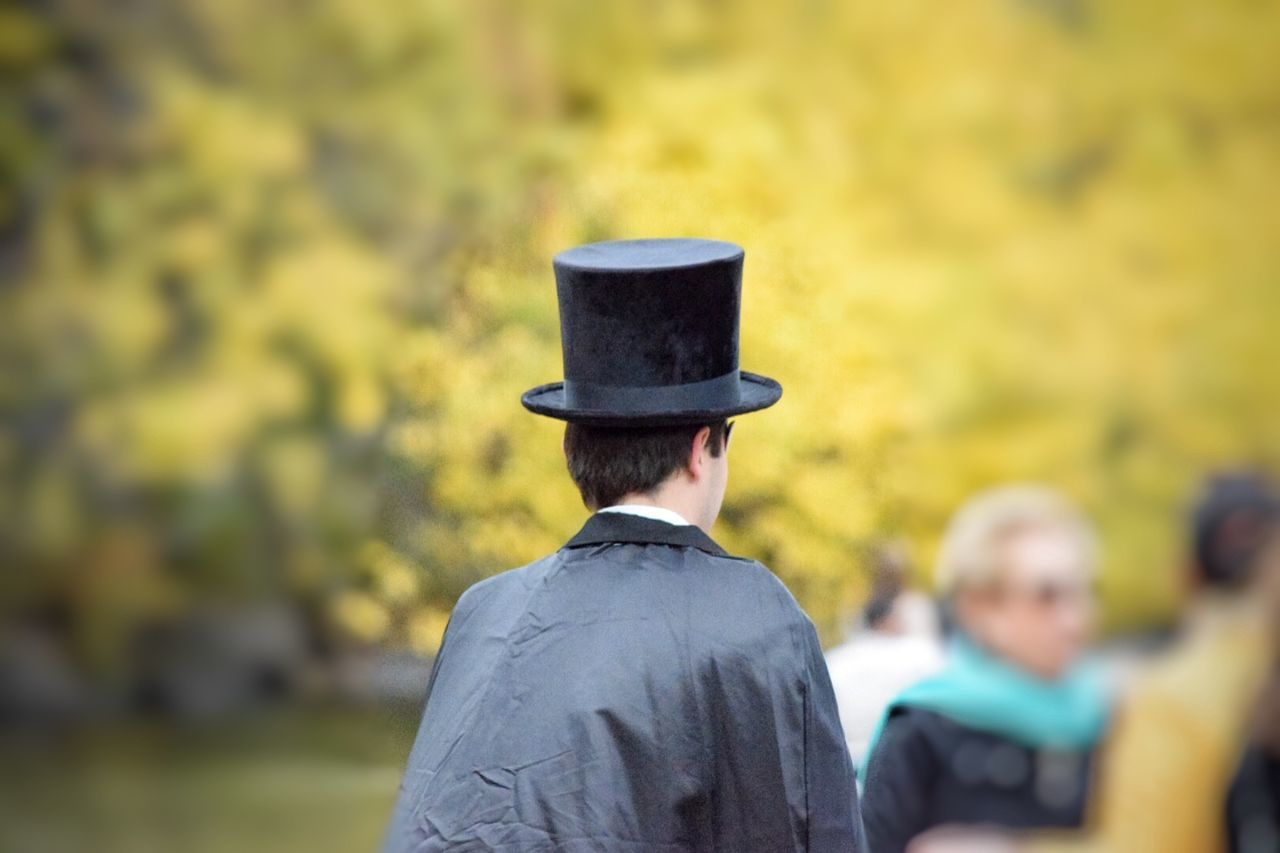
(649, 330)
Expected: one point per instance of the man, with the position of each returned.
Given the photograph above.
(640, 689)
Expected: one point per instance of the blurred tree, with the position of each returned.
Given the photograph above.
(273, 276)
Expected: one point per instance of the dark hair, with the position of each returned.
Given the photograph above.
(1236, 515)
(608, 463)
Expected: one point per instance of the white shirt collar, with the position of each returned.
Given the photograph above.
(657, 513)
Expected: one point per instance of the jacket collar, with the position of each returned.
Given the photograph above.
(615, 527)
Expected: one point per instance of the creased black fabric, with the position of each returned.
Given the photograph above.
(639, 690)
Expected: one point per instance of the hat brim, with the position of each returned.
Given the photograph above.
(756, 392)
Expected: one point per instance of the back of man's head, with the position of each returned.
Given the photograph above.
(610, 463)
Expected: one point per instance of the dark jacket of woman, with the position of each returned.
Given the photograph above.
(928, 770)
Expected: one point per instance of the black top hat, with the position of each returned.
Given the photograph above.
(650, 336)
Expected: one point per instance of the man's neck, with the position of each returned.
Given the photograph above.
(665, 503)
(656, 513)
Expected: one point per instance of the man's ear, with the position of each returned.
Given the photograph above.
(699, 449)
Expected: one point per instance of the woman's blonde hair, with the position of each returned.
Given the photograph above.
(967, 556)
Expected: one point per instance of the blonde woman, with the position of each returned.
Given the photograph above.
(1004, 735)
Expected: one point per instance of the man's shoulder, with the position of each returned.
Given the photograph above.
(502, 585)
(745, 577)
(746, 607)
(740, 585)
(727, 562)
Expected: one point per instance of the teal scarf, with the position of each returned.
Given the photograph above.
(978, 690)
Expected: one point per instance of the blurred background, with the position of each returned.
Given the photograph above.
(274, 274)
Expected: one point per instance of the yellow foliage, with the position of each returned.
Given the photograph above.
(395, 579)
(360, 616)
(299, 289)
(426, 630)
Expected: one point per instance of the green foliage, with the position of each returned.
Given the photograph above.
(276, 274)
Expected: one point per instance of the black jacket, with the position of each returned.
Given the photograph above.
(639, 690)
(1253, 807)
(928, 770)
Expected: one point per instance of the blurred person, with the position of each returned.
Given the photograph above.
(1005, 733)
(1178, 737)
(896, 645)
(916, 611)
(640, 689)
